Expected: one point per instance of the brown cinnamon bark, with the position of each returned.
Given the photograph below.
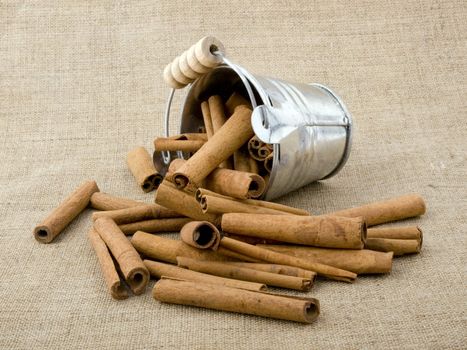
(112, 279)
(404, 232)
(268, 162)
(61, 216)
(167, 144)
(245, 274)
(234, 101)
(183, 202)
(264, 152)
(129, 261)
(207, 119)
(230, 137)
(253, 202)
(105, 201)
(165, 249)
(218, 118)
(192, 136)
(159, 270)
(361, 261)
(236, 256)
(386, 211)
(283, 259)
(142, 167)
(201, 235)
(398, 246)
(228, 182)
(155, 225)
(138, 213)
(319, 231)
(275, 268)
(297, 309)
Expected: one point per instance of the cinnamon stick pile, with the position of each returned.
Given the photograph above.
(232, 245)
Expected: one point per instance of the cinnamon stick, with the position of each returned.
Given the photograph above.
(112, 279)
(129, 261)
(62, 215)
(386, 211)
(304, 310)
(235, 255)
(268, 162)
(138, 213)
(245, 274)
(155, 225)
(229, 138)
(183, 202)
(141, 166)
(159, 270)
(216, 109)
(191, 136)
(275, 268)
(234, 101)
(165, 249)
(361, 261)
(319, 231)
(167, 144)
(207, 119)
(237, 184)
(105, 201)
(403, 232)
(201, 235)
(398, 246)
(283, 259)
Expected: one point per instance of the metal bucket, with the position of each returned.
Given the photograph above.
(309, 126)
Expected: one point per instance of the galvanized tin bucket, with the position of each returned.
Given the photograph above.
(309, 126)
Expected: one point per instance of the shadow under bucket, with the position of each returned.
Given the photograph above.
(307, 124)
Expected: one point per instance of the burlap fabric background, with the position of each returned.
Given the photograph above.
(80, 85)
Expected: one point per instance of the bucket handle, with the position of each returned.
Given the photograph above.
(166, 154)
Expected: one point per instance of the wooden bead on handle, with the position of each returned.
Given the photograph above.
(169, 79)
(204, 51)
(177, 74)
(185, 68)
(194, 63)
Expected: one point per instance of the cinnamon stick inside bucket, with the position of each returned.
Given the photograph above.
(61, 216)
(360, 261)
(218, 118)
(297, 309)
(141, 166)
(207, 119)
(167, 144)
(386, 211)
(128, 259)
(112, 279)
(159, 270)
(245, 274)
(229, 138)
(201, 235)
(320, 231)
(266, 255)
(234, 101)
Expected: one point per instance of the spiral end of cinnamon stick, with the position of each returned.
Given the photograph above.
(42, 234)
(181, 181)
(138, 279)
(257, 186)
(118, 291)
(311, 310)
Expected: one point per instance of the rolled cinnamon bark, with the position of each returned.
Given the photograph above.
(255, 202)
(229, 182)
(128, 259)
(284, 259)
(245, 274)
(242, 161)
(159, 270)
(165, 249)
(275, 268)
(138, 213)
(264, 152)
(142, 167)
(216, 108)
(234, 101)
(252, 240)
(398, 246)
(319, 231)
(183, 202)
(229, 138)
(254, 145)
(62, 215)
(105, 201)
(254, 168)
(361, 261)
(112, 279)
(404, 232)
(268, 162)
(236, 256)
(207, 119)
(201, 235)
(297, 309)
(192, 136)
(386, 211)
(155, 225)
(167, 144)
